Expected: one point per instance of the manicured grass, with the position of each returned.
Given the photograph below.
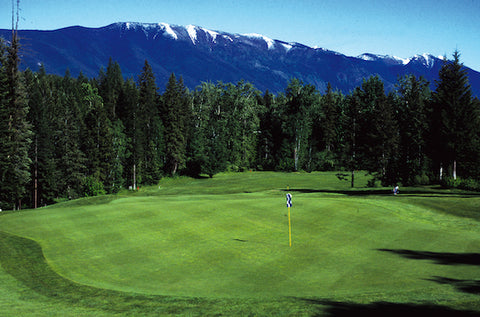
(220, 246)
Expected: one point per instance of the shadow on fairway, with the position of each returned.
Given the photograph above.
(386, 192)
(441, 258)
(466, 286)
(438, 257)
(332, 308)
(365, 192)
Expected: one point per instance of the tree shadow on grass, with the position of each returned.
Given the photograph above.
(386, 192)
(333, 308)
(353, 192)
(443, 258)
(438, 257)
(466, 286)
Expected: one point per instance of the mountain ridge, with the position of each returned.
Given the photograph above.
(201, 55)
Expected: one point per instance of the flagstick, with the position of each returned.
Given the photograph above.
(289, 204)
(289, 228)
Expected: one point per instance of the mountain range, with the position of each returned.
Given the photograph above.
(201, 55)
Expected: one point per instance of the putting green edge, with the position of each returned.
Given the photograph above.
(23, 259)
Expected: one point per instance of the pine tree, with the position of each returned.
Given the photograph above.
(119, 156)
(69, 123)
(414, 95)
(127, 113)
(208, 146)
(270, 132)
(175, 116)
(15, 131)
(378, 130)
(110, 88)
(350, 119)
(371, 131)
(326, 129)
(330, 113)
(216, 135)
(148, 138)
(454, 128)
(98, 137)
(297, 121)
(40, 89)
(239, 107)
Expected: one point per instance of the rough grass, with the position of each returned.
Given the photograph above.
(220, 247)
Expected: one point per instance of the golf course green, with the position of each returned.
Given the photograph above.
(220, 246)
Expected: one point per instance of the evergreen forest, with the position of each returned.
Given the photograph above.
(64, 137)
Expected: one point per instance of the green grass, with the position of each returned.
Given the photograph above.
(220, 246)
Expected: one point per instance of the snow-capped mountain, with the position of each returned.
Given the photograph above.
(426, 59)
(198, 54)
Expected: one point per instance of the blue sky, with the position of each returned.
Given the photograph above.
(351, 27)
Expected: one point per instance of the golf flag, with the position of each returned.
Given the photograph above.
(289, 204)
(289, 200)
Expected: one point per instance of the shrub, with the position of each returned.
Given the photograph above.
(286, 165)
(93, 187)
(232, 168)
(470, 184)
(422, 179)
(466, 184)
(374, 183)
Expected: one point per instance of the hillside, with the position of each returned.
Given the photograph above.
(201, 55)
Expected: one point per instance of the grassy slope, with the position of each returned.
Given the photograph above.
(225, 241)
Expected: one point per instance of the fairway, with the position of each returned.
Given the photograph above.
(227, 238)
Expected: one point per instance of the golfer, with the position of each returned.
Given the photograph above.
(396, 190)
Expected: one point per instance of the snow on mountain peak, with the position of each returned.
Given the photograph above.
(168, 29)
(287, 47)
(212, 34)
(192, 32)
(427, 60)
(368, 57)
(375, 57)
(195, 33)
(128, 25)
(151, 30)
(269, 41)
(404, 61)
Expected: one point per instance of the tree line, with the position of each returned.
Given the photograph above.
(66, 137)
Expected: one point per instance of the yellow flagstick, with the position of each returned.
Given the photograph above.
(289, 228)
(289, 204)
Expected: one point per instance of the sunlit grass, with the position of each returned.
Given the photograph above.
(208, 246)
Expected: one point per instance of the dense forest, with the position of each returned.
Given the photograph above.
(65, 137)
